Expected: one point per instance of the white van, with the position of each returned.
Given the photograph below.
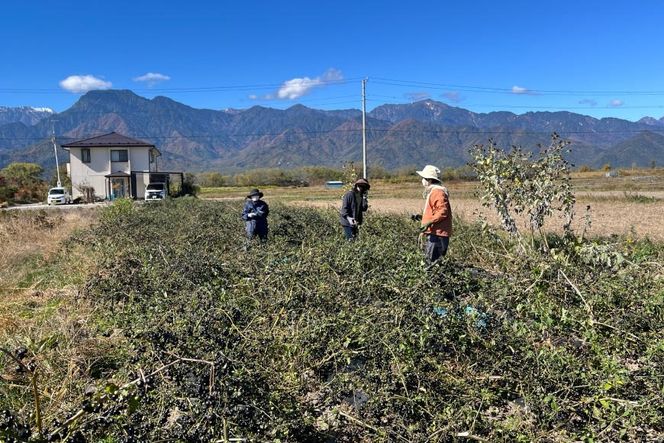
(58, 196)
(155, 191)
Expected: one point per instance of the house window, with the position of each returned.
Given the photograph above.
(119, 155)
(85, 155)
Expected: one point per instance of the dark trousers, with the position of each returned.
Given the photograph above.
(350, 232)
(435, 247)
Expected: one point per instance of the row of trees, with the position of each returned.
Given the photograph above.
(316, 175)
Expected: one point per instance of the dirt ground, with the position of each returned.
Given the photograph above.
(632, 203)
(607, 217)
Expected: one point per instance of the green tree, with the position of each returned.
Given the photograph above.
(6, 191)
(25, 179)
(516, 183)
(189, 186)
(23, 174)
(64, 178)
(211, 179)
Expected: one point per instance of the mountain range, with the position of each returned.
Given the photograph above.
(398, 135)
(24, 114)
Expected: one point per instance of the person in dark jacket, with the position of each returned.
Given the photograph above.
(255, 215)
(353, 204)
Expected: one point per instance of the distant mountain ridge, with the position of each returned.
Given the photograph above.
(23, 114)
(398, 135)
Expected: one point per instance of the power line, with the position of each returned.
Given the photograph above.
(487, 89)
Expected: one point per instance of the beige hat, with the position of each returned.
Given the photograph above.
(430, 171)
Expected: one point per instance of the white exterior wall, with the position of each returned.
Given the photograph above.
(140, 161)
(93, 173)
(89, 174)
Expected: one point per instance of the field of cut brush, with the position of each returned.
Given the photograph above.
(185, 334)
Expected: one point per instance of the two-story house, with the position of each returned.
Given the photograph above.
(114, 165)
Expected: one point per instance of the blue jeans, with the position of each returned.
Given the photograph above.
(350, 232)
(435, 247)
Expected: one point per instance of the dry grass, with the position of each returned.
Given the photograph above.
(609, 215)
(39, 309)
(632, 203)
(29, 236)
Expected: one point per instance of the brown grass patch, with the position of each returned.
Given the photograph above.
(34, 235)
(44, 314)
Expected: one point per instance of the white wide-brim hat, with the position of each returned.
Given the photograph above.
(430, 172)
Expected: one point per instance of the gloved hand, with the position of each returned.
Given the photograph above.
(352, 221)
(251, 215)
(425, 226)
(416, 217)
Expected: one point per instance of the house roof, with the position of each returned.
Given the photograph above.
(112, 139)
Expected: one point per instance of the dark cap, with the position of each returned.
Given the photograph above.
(363, 183)
(254, 192)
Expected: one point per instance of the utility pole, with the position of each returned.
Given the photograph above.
(364, 127)
(55, 151)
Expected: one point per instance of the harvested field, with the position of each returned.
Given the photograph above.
(609, 216)
(630, 204)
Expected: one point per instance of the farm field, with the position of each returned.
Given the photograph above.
(630, 204)
(156, 322)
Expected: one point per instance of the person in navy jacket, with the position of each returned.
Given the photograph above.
(255, 215)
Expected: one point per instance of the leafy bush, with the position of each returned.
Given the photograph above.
(310, 338)
(513, 183)
(23, 183)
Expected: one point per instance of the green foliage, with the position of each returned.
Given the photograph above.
(6, 191)
(119, 208)
(22, 183)
(310, 338)
(211, 179)
(64, 178)
(350, 175)
(270, 177)
(189, 186)
(513, 183)
(639, 198)
(23, 174)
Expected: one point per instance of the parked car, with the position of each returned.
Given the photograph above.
(155, 191)
(58, 196)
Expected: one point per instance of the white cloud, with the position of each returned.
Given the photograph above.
(298, 87)
(83, 83)
(588, 101)
(615, 103)
(332, 75)
(417, 96)
(452, 96)
(519, 90)
(253, 97)
(152, 78)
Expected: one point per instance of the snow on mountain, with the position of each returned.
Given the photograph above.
(28, 115)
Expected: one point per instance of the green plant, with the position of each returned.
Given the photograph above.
(309, 338)
(514, 183)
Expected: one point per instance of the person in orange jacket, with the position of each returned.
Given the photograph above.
(437, 214)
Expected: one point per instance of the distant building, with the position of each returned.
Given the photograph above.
(334, 184)
(114, 165)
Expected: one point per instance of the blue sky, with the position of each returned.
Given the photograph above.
(592, 57)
